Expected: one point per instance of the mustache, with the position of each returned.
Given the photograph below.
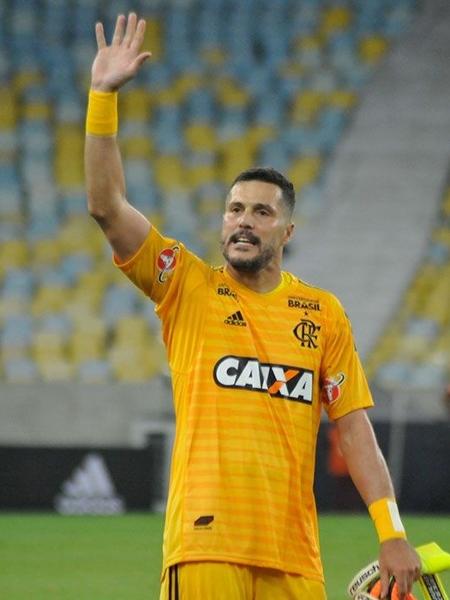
(248, 235)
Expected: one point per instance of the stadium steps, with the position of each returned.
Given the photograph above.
(383, 189)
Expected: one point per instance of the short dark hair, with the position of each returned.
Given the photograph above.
(270, 175)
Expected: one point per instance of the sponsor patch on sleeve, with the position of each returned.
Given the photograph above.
(331, 388)
(166, 262)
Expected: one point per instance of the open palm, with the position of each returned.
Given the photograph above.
(116, 64)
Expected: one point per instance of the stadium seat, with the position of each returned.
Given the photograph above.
(272, 83)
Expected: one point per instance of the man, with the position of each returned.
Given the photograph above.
(254, 354)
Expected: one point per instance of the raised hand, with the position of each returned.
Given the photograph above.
(116, 64)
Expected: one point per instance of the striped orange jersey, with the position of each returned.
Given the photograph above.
(250, 373)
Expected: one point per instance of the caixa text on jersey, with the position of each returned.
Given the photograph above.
(284, 381)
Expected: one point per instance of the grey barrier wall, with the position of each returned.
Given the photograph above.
(107, 447)
(61, 414)
(80, 480)
(102, 480)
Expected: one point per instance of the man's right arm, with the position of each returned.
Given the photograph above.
(124, 226)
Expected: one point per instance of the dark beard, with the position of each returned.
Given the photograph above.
(250, 265)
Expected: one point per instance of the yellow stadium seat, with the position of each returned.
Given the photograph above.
(169, 96)
(135, 105)
(49, 299)
(335, 18)
(304, 171)
(153, 40)
(210, 206)
(306, 106)
(8, 114)
(13, 253)
(169, 172)
(230, 94)
(258, 134)
(134, 363)
(47, 343)
(137, 147)
(93, 282)
(79, 232)
(84, 345)
(69, 148)
(91, 326)
(308, 42)
(55, 369)
(373, 48)
(201, 137)
(45, 252)
(132, 329)
(233, 97)
(36, 111)
(342, 99)
(186, 83)
(215, 57)
(446, 204)
(157, 219)
(199, 174)
(80, 307)
(26, 78)
(234, 159)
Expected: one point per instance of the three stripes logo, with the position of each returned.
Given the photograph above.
(89, 491)
(236, 319)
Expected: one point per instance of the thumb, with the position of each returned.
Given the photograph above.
(140, 60)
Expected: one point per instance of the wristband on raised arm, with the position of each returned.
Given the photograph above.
(102, 118)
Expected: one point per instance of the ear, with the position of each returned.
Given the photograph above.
(288, 234)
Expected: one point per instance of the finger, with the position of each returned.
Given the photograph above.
(139, 35)
(403, 586)
(131, 29)
(384, 583)
(100, 36)
(118, 31)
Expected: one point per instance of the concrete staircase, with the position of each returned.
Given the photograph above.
(384, 184)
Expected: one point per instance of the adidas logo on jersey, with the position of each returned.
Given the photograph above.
(236, 319)
(90, 490)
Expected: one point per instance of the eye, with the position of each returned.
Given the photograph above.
(264, 212)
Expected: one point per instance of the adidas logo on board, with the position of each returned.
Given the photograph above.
(90, 490)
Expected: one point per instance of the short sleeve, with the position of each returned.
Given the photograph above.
(344, 386)
(160, 267)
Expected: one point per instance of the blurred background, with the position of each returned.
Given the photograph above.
(350, 99)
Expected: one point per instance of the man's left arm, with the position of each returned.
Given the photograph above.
(371, 477)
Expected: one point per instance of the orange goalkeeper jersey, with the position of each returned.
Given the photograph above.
(250, 373)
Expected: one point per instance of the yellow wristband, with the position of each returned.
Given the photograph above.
(101, 118)
(386, 518)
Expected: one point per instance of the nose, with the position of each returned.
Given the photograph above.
(246, 220)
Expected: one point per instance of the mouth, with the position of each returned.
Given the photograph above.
(244, 239)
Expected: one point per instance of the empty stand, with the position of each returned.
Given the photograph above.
(230, 85)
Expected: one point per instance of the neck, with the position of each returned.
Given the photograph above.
(263, 281)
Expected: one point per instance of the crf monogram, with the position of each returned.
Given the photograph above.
(305, 331)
